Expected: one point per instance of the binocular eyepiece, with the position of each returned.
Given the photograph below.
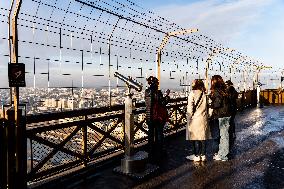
(131, 83)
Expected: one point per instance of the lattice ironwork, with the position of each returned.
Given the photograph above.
(60, 145)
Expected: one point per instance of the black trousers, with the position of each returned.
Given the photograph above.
(199, 147)
(155, 139)
(232, 131)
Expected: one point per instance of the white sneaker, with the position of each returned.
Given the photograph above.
(190, 157)
(193, 158)
(218, 158)
(203, 158)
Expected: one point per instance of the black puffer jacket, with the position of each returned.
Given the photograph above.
(233, 96)
(219, 104)
(150, 96)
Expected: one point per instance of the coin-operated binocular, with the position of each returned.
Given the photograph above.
(133, 164)
(131, 83)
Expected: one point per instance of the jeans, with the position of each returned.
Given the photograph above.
(224, 124)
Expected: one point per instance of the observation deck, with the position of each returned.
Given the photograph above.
(257, 160)
(80, 149)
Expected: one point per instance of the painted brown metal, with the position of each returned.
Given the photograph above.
(97, 130)
(272, 96)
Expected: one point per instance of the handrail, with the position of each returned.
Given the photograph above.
(58, 144)
(34, 118)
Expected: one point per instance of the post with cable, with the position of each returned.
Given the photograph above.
(163, 44)
(258, 84)
(14, 115)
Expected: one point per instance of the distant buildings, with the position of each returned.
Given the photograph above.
(59, 99)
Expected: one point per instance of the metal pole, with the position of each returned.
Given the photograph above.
(163, 44)
(109, 58)
(48, 77)
(206, 73)
(85, 143)
(9, 44)
(19, 136)
(281, 91)
(208, 61)
(9, 31)
(3, 151)
(257, 90)
(11, 149)
(244, 80)
(129, 125)
(159, 67)
(82, 73)
(109, 67)
(21, 151)
(14, 55)
(34, 77)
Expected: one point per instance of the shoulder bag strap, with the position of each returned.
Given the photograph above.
(198, 101)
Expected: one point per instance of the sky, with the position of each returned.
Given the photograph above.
(252, 27)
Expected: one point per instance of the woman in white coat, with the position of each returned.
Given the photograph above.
(197, 129)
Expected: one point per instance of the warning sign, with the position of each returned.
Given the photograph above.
(16, 74)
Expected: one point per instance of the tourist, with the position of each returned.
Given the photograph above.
(156, 117)
(197, 130)
(233, 96)
(219, 109)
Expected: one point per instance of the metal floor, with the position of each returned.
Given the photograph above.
(257, 162)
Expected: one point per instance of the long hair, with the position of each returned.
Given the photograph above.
(217, 83)
(198, 84)
(153, 82)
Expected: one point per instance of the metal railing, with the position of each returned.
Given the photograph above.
(59, 142)
(272, 96)
(63, 142)
(246, 99)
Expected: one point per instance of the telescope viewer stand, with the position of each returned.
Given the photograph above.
(136, 166)
(133, 164)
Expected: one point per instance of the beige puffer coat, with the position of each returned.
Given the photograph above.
(197, 125)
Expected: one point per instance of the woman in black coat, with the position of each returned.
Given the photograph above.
(156, 117)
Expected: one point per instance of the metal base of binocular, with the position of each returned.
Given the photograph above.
(133, 164)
